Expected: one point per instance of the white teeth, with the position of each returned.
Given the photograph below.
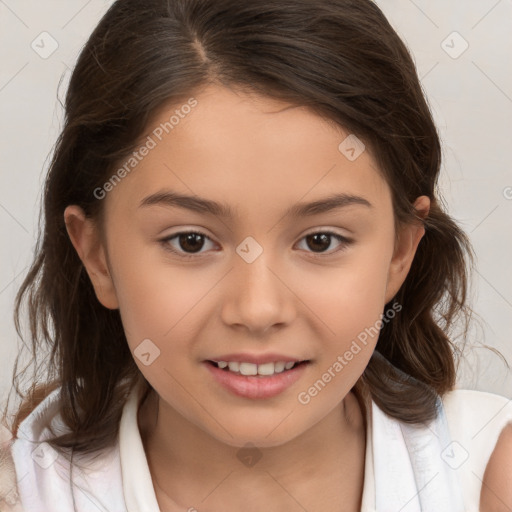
(234, 366)
(248, 368)
(266, 369)
(279, 367)
(256, 369)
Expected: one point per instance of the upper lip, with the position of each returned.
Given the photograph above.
(255, 358)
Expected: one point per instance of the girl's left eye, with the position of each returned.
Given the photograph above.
(191, 242)
(324, 238)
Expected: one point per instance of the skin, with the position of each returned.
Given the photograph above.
(259, 156)
(496, 495)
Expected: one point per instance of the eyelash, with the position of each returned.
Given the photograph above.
(345, 242)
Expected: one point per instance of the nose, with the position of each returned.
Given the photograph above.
(257, 298)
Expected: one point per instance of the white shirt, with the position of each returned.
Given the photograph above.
(406, 468)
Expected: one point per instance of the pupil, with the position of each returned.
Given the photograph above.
(188, 239)
(325, 240)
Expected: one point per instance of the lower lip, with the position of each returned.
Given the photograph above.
(255, 386)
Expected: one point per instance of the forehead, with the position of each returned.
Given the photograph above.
(250, 152)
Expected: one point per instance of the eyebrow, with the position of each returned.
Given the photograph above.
(207, 206)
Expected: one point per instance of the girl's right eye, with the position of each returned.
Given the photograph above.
(188, 242)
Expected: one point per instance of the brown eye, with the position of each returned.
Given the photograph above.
(321, 241)
(185, 242)
(191, 242)
(318, 242)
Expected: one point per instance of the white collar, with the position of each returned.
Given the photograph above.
(139, 493)
(403, 467)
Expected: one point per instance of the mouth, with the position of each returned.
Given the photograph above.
(260, 370)
(256, 381)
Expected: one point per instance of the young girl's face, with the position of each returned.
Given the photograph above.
(266, 280)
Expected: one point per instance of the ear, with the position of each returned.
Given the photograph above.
(405, 248)
(86, 240)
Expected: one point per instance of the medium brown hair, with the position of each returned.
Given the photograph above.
(340, 58)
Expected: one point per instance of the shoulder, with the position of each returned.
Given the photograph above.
(477, 415)
(48, 478)
(469, 398)
(9, 498)
(481, 424)
(497, 483)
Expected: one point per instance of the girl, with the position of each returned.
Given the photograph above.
(203, 352)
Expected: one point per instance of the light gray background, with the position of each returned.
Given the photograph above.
(469, 92)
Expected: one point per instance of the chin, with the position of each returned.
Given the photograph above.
(261, 436)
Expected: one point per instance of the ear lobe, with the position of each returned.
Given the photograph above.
(86, 240)
(405, 249)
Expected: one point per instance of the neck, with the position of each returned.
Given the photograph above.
(186, 462)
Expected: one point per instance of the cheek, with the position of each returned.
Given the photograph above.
(350, 303)
(155, 298)
(350, 300)
(351, 296)
(159, 311)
